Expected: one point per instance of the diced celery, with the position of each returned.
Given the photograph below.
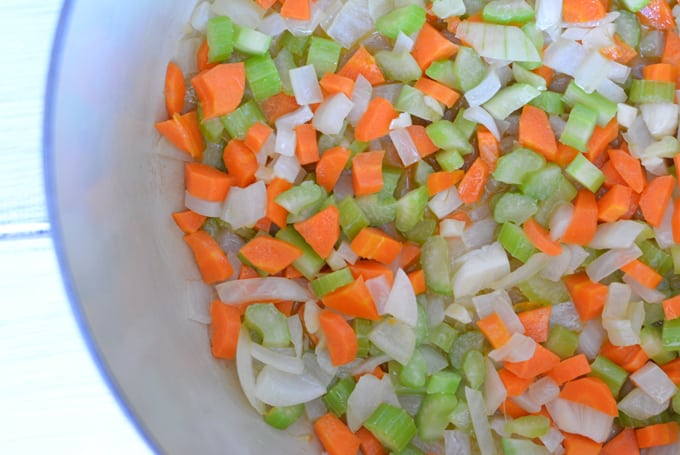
(522, 447)
(443, 71)
(670, 334)
(508, 12)
(433, 415)
(412, 100)
(514, 166)
(531, 426)
(447, 136)
(634, 5)
(610, 373)
(281, 417)
(544, 291)
(443, 336)
(474, 368)
(398, 66)
(605, 108)
(251, 42)
(460, 417)
(407, 20)
(296, 45)
(310, 263)
(562, 341)
(651, 43)
(449, 160)
(535, 35)
(514, 207)
(585, 172)
(263, 77)
(211, 129)
(337, 396)
(550, 102)
(675, 254)
(324, 55)
(565, 191)
(675, 403)
(647, 91)
(448, 8)
(422, 231)
(516, 242)
(414, 373)
(445, 381)
(220, 36)
(352, 219)
(628, 28)
(465, 126)
(362, 329)
(325, 284)
(409, 450)
(468, 341)
(434, 259)
(654, 314)
(422, 328)
(509, 99)
(391, 177)
(627, 421)
(651, 343)
(393, 427)
(525, 76)
(301, 197)
(423, 170)
(239, 122)
(468, 69)
(269, 323)
(410, 208)
(579, 127)
(285, 62)
(542, 183)
(377, 208)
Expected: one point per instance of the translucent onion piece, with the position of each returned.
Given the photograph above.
(305, 85)
(445, 202)
(661, 118)
(608, 18)
(285, 142)
(277, 360)
(612, 91)
(535, 264)
(481, 267)
(576, 418)
(403, 120)
(320, 11)
(352, 22)
(185, 58)
(401, 302)
(296, 334)
(638, 137)
(548, 13)
(564, 56)
(335, 261)
(616, 305)
(364, 399)
(451, 228)
(403, 43)
(611, 261)
(272, 25)
(434, 359)
(591, 337)
(591, 72)
(406, 148)
(646, 294)
(200, 16)
(478, 114)
(557, 266)
(518, 349)
(379, 8)
(485, 304)
(245, 372)
(501, 304)
(565, 314)
(369, 364)
(323, 357)
(626, 114)
(490, 40)
(270, 289)
(379, 288)
(664, 232)
(560, 220)
(619, 234)
(197, 301)
(480, 423)
(578, 256)
(245, 206)
(361, 96)
(278, 388)
(395, 339)
(344, 187)
(245, 13)
(553, 440)
(315, 409)
(638, 405)
(494, 389)
(312, 367)
(287, 168)
(457, 442)
(434, 309)
(654, 382)
(618, 72)
(459, 313)
(203, 207)
(599, 36)
(527, 403)
(330, 115)
(544, 390)
(388, 91)
(485, 90)
(297, 117)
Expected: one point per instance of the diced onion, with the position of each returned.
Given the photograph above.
(287, 167)
(577, 418)
(480, 233)
(379, 288)
(548, 13)
(553, 440)
(445, 202)
(619, 234)
(401, 302)
(451, 228)
(311, 315)
(661, 118)
(591, 337)
(638, 405)
(395, 339)
(485, 90)
(361, 96)
(646, 294)
(517, 349)
(369, 364)
(203, 207)
(564, 56)
(654, 382)
(544, 390)
(459, 313)
(612, 91)
(406, 148)
(565, 314)
(608, 18)
(611, 261)
(368, 393)
(276, 360)
(481, 267)
(200, 16)
(261, 290)
(616, 305)
(403, 120)
(478, 114)
(347, 253)
(297, 117)
(494, 389)
(286, 141)
(352, 22)
(490, 40)
(527, 403)
(591, 72)
(434, 359)
(278, 388)
(296, 334)
(664, 232)
(330, 115)
(638, 137)
(305, 85)
(480, 422)
(245, 206)
(245, 13)
(626, 114)
(245, 372)
(556, 266)
(272, 25)
(535, 264)
(560, 220)
(403, 43)
(457, 442)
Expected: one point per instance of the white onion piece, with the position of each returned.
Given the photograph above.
(448, 8)
(556, 266)
(403, 120)
(287, 167)
(574, 33)
(527, 403)
(319, 11)
(661, 118)
(560, 220)
(379, 288)
(534, 264)
(278, 388)
(668, 449)
(379, 8)
(245, 13)
(185, 57)
(296, 334)
(315, 409)
(286, 141)
(646, 294)
(626, 114)
(618, 234)
(403, 43)
(197, 298)
(401, 302)
(608, 18)
(312, 367)
(612, 91)
(445, 202)
(297, 117)
(406, 148)
(459, 313)
(577, 418)
(352, 22)
(548, 13)
(638, 137)
(367, 395)
(654, 382)
(494, 389)
(347, 253)
(451, 228)
(485, 304)
(200, 16)
(599, 37)
(565, 314)
(557, 123)
(478, 114)
(335, 261)
(245, 372)
(434, 359)
(344, 187)
(544, 390)
(591, 337)
(311, 315)
(323, 357)
(553, 440)
(272, 25)
(480, 423)
(434, 309)
(369, 364)
(618, 72)
(395, 339)
(388, 91)
(638, 405)
(457, 442)
(277, 360)
(591, 72)
(305, 85)
(578, 256)
(330, 115)
(245, 206)
(261, 289)
(361, 96)
(508, 315)
(480, 233)
(485, 90)
(481, 267)
(611, 261)
(490, 40)
(564, 56)
(616, 305)
(517, 349)
(664, 232)
(203, 207)
(621, 332)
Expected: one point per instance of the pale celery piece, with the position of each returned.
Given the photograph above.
(468, 69)
(586, 173)
(398, 66)
(407, 20)
(510, 99)
(412, 100)
(324, 55)
(514, 166)
(434, 259)
(447, 136)
(514, 207)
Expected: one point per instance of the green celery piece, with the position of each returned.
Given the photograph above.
(535, 35)
(627, 421)
(433, 415)
(442, 336)
(468, 69)
(562, 341)
(508, 12)
(510, 99)
(412, 100)
(435, 262)
(263, 77)
(422, 329)
(443, 71)
(514, 166)
(409, 450)
(398, 66)
(239, 122)
(337, 396)
(407, 20)
(655, 257)
(301, 197)
(269, 323)
(541, 184)
(646, 91)
(281, 417)
(310, 263)
(522, 447)
(220, 36)
(211, 129)
(296, 45)
(474, 368)
(285, 62)
(460, 417)
(444, 381)
(410, 208)
(634, 5)
(651, 343)
(251, 42)
(445, 135)
(393, 427)
(670, 334)
(414, 374)
(514, 207)
(324, 55)
(449, 160)
(448, 8)
(468, 341)
(550, 102)
(391, 177)
(579, 127)
(465, 126)
(531, 426)
(422, 231)
(516, 242)
(628, 28)
(651, 43)
(423, 170)
(610, 373)
(325, 284)
(540, 290)
(377, 208)
(352, 219)
(525, 76)
(606, 109)
(585, 172)
(675, 254)
(212, 156)
(565, 191)
(675, 403)
(654, 314)
(362, 329)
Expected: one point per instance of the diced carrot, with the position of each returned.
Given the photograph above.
(269, 254)
(540, 238)
(628, 168)
(291, 272)
(285, 306)
(369, 444)
(570, 369)
(175, 89)
(672, 369)
(452, 24)
(575, 444)
(340, 338)
(188, 221)
(642, 273)
(494, 329)
(417, 279)
(372, 243)
(240, 162)
(660, 434)
(536, 323)
(488, 147)
(362, 62)
(600, 139)
(375, 122)
(442, 180)
(225, 323)
(671, 307)
(664, 72)
(471, 186)
(657, 14)
(588, 296)
(220, 89)
(582, 10)
(276, 213)
(202, 59)
(430, 46)
(330, 166)
(353, 300)
(278, 105)
(541, 362)
(321, 231)
(512, 409)
(371, 269)
(367, 175)
(334, 83)
(265, 4)
(614, 203)
(206, 182)
(264, 224)
(624, 443)
(296, 9)
(671, 50)
(440, 92)
(307, 147)
(611, 176)
(514, 385)
(410, 252)
(183, 132)
(619, 52)
(247, 272)
(565, 154)
(211, 260)
(257, 135)
(630, 358)
(655, 197)
(334, 435)
(675, 221)
(536, 133)
(592, 392)
(583, 224)
(421, 140)
(546, 73)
